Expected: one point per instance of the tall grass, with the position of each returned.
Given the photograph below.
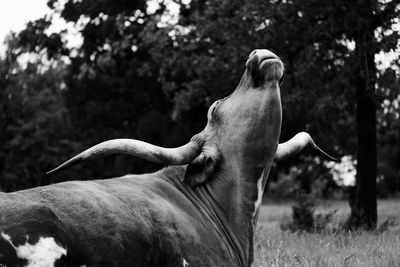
(274, 247)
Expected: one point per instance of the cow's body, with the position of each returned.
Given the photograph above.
(135, 220)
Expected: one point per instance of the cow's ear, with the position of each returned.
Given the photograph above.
(201, 168)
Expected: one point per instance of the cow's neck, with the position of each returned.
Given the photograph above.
(237, 201)
(236, 187)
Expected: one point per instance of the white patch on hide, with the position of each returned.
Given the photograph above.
(185, 263)
(257, 204)
(43, 254)
(260, 191)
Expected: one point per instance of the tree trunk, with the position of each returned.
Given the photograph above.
(363, 203)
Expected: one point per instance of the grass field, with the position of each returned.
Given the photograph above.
(274, 247)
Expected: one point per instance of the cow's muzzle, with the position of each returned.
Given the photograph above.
(263, 66)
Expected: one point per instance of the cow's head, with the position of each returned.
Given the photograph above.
(243, 129)
(241, 134)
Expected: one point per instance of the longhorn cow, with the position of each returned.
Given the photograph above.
(201, 210)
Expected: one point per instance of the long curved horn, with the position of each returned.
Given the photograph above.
(166, 156)
(295, 145)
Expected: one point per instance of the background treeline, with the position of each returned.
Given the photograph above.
(151, 73)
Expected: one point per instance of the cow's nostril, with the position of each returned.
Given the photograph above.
(266, 58)
(281, 79)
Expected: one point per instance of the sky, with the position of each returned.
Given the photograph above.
(14, 14)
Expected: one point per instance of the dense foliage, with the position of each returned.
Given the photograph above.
(150, 74)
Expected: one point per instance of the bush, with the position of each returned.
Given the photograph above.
(304, 218)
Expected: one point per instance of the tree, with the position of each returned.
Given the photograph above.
(33, 118)
(112, 89)
(389, 133)
(369, 15)
(364, 203)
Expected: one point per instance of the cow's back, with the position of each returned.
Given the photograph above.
(129, 221)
